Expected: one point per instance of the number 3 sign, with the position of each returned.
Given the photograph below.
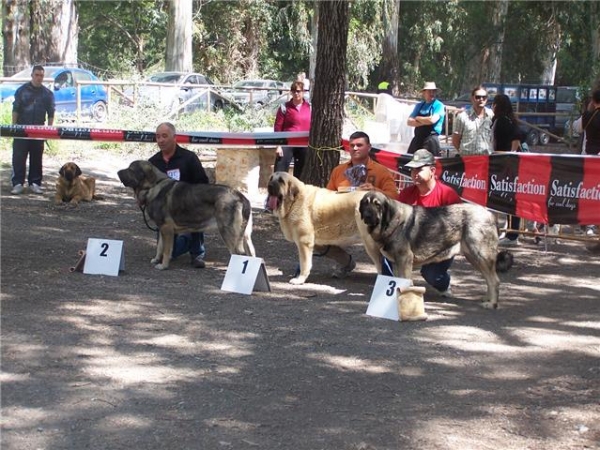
(383, 301)
(246, 274)
(104, 257)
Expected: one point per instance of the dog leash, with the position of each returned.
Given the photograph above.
(143, 210)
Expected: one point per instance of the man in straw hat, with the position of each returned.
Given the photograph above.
(428, 120)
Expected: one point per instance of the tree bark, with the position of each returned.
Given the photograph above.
(328, 93)
(493, 73)
(179, 36)
(390, 61)
(54, 28)
(15, 32)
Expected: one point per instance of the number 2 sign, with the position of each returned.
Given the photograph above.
(246, 274)
(104, 257)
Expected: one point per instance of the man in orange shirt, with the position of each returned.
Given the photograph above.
(376, 177)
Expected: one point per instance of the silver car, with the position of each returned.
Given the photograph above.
(174, 89)
(257, 92)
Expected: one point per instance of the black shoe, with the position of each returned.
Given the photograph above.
(198, 263)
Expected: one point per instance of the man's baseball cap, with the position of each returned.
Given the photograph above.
(421, 158)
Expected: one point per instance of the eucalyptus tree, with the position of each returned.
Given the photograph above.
(179, 37)
(38, 32)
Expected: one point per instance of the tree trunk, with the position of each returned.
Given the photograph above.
(15, 31)
(328, 92)
(494, 63)
(54, 28)
(594, 18)
(179, 36)
(389, 61)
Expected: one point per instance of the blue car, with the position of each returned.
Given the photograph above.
(94, 97)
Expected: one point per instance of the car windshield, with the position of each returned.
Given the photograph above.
(173, 78)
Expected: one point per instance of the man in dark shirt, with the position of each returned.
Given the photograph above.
(33, 102)
(182, 165)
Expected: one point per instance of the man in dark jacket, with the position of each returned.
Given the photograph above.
(182, 165)
(33, 102)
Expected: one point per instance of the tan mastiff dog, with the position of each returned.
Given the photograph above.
(314, 218)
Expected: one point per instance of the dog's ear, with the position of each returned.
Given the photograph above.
(61, 172)
(387, 211)
(77, 170)
(293, 191)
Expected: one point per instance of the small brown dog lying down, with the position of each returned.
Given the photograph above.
(73, 187)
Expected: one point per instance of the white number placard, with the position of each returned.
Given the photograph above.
(246, 274)
(384, 301)
(104, 257)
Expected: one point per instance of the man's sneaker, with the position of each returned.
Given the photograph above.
(36, 188)
(447, 293)
(505, 242)
(17, 189)
(198, 263)
(342, 272)
(590, 230)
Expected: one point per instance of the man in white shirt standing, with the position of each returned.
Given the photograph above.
(473, 127)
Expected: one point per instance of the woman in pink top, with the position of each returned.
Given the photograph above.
(294, 115)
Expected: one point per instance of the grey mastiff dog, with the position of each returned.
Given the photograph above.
(177, 207)
(412, 236)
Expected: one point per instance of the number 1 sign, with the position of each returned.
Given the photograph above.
(104, 257)
(246, 274)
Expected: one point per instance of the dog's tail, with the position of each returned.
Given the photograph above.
(504, 261)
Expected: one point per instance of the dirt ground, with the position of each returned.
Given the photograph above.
(167, 360)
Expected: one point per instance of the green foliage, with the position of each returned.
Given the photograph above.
(364, 48)
(437, 40)
(121, 37)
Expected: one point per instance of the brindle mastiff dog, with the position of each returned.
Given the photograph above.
(178, 207)
(314, 218)
(412, 236)
(73, 187)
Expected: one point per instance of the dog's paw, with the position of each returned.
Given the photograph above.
(155, 261)
(298, 280)
(161, 267)
(489, 305)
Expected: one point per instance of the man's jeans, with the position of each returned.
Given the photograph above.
(22, 148)
(436, 274)
(189, 242)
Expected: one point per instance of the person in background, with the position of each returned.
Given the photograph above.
(505, 138)
(33, 103)
(427, 191)
(306, 82)
(589, 125)
(294, 115)
(384, 88)
(428, 120)
(473, 127)
(181, 164)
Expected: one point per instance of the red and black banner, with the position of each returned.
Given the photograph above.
(561, 189)
(546, 188)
